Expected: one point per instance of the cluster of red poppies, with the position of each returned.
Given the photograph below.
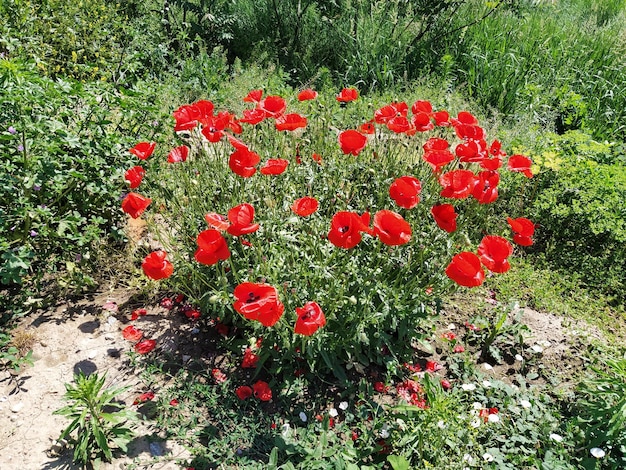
(259, 301)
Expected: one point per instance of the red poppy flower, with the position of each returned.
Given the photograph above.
(174, 402)
(521, 164)
(405, 191)
(131, 333)
(236, 143)
(262, 391)
(524, 229)
(290, 122)
(493, 252)
(252, 116)
(273, 106)
(192, 313)
(310, 319)
(250, 359)
(212, 247)
(274, 166)
(145, 346)
(178, 154)
(352, 142)
(244, 392)
(137, 313)
(442, 118)
(144, 397)
(156, 266)
(437, 159)
(135, 204)
(367, 128)
(422, 106)
(241, 218)
(243, 162)
(143, 150)
(457, 184)
(387, 113)
(400, 125)
(465, 117)
(465, 269)
(391, 228)
(186, 118)
(317, 158)
(346, 228)
(422, 122)
(134, 176)
(469, 151)
(486, 189)
(436, 143)
(218, 376)
(347, 94)
(467, 131)
(217, 221)
(213, 126)
(254, 96)
(305, 206)
(306, 95)
(258, 302)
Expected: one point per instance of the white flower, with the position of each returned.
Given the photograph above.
(343, 405)
(556, 437)
(303, 416)
(477, 405)
(488, 457)
(519, 358)
(441, 424)
(475, 423)
(536, 348)
(452, 326)
(285, 429)
(597, 452)
(486, 384)
(384, 433)
(525, 404)
(468, 458)
(468, 387)
(493, 418)
(333, 412)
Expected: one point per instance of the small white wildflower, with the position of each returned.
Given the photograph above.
(468, 387)
(468, 458)
(493, 418)
(303, 416)
(519, 358)
(486, 384)
(556, 437)
(487, 457)
(536, 348)
(475, 423)
(384, 433)
(333, 412)
(452, 326)
(525, 404)
(597, 452)
(441, 424)
(285, 429)
(487, 366)
(477, 406)
(343, 405)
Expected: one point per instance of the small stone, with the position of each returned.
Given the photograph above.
(17, 407)
(487, 366)
(156, 449)
(3, 399)
(112, 320)
(452, 326)
(92, 355)
(109, 337)
(186, 358)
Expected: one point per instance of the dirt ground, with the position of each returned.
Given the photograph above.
(86, 336)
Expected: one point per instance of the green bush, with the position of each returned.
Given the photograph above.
(60, 176)
(579, 207)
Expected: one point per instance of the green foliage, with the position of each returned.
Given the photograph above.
(578, 205)
(60, 177)
(98, 421)
(601, 411)
(11, 357)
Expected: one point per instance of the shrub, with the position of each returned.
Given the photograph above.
(277, 260)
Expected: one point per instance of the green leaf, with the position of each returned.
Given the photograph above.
(398, 462)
